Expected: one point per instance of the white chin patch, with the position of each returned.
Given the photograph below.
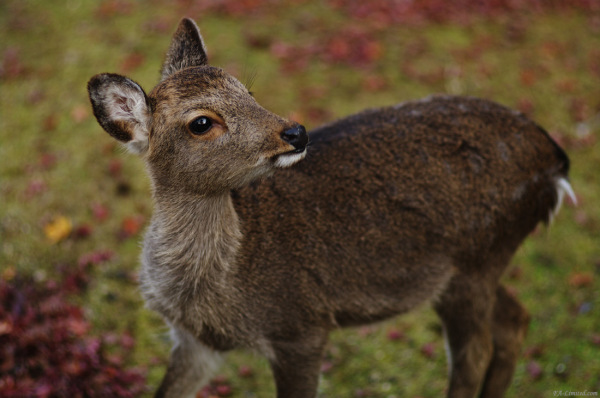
(286, 160)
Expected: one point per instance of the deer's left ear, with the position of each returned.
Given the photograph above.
(186, 49)
(122, 109)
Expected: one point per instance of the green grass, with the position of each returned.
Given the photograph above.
(551, 68)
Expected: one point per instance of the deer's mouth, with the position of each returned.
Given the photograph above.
(290, 158)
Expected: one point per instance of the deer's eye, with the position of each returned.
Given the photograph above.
(200, 125)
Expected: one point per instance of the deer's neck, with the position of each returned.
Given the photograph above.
(190, 249)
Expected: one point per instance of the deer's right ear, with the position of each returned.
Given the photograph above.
(122, 109)
(186, 49)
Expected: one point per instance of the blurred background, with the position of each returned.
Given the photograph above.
(74, 205)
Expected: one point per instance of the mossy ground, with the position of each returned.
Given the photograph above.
(57, 163)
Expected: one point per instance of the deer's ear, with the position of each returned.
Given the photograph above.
(122, 109)
(186, 49)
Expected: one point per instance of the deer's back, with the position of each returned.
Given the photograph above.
(391, 200)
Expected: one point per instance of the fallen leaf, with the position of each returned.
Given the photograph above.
(581, 279)
(515, 273)
(35, 187)
(79, 113)
(50, 123)
(395, 334)
(526, 106)
(100, 211)
(9, 273)
(115, 167)
(83, 231)
(245, 371)
(132, 62)
(95, 258)
(535, 351)
(11, 66)
(326, 366)
(428, 350)
(224, 390)
(131, 226)
(528, 77)
(5, 327)
(534, 370)
(58, 229)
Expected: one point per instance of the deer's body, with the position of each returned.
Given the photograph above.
(427, 200)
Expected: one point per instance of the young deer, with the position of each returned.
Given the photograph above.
(426, 200)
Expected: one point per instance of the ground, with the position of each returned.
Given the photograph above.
(74, 205)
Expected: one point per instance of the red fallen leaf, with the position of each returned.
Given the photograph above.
(595, 339)
(127, 341)
(372, 50)
(566, 85)
(326, 366)
(220, 379)
(245, 371)
(374, 83)
(160, 24)
(35, 187)
(395, 334)
(83, 231)
(113, 8)
(131, 226)
(79, 327)
(115, 167)
(526, 106)
(224, 390)
(365, 331)
(115, 360)
(132, 62)
(528, 77)
(95, 258)
(35, 96)
(578, 109)
(428, 350)
(534, 370)
(281, 50)
(535, 351)
(581, 279)
(582, 218)
(79, 113)
(364, 393)
(47, 161)
(515, 273)
(205, 392)
(6, 327)
(339, 49)
(11, 66)
(255, 40)
(50, 123)
(100, 212)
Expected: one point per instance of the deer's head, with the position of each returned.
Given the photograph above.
(199, 129)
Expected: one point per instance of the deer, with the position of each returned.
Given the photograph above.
(267, 238)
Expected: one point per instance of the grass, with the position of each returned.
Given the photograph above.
(57, 162)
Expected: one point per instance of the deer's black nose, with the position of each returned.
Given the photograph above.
(297, 137)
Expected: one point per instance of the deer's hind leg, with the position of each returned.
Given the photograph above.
(509, 328)
(466, 308)
(190, 367)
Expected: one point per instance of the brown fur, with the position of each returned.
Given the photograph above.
(392, 207)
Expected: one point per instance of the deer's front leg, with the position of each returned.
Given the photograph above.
(190, 367)
(296, 366)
